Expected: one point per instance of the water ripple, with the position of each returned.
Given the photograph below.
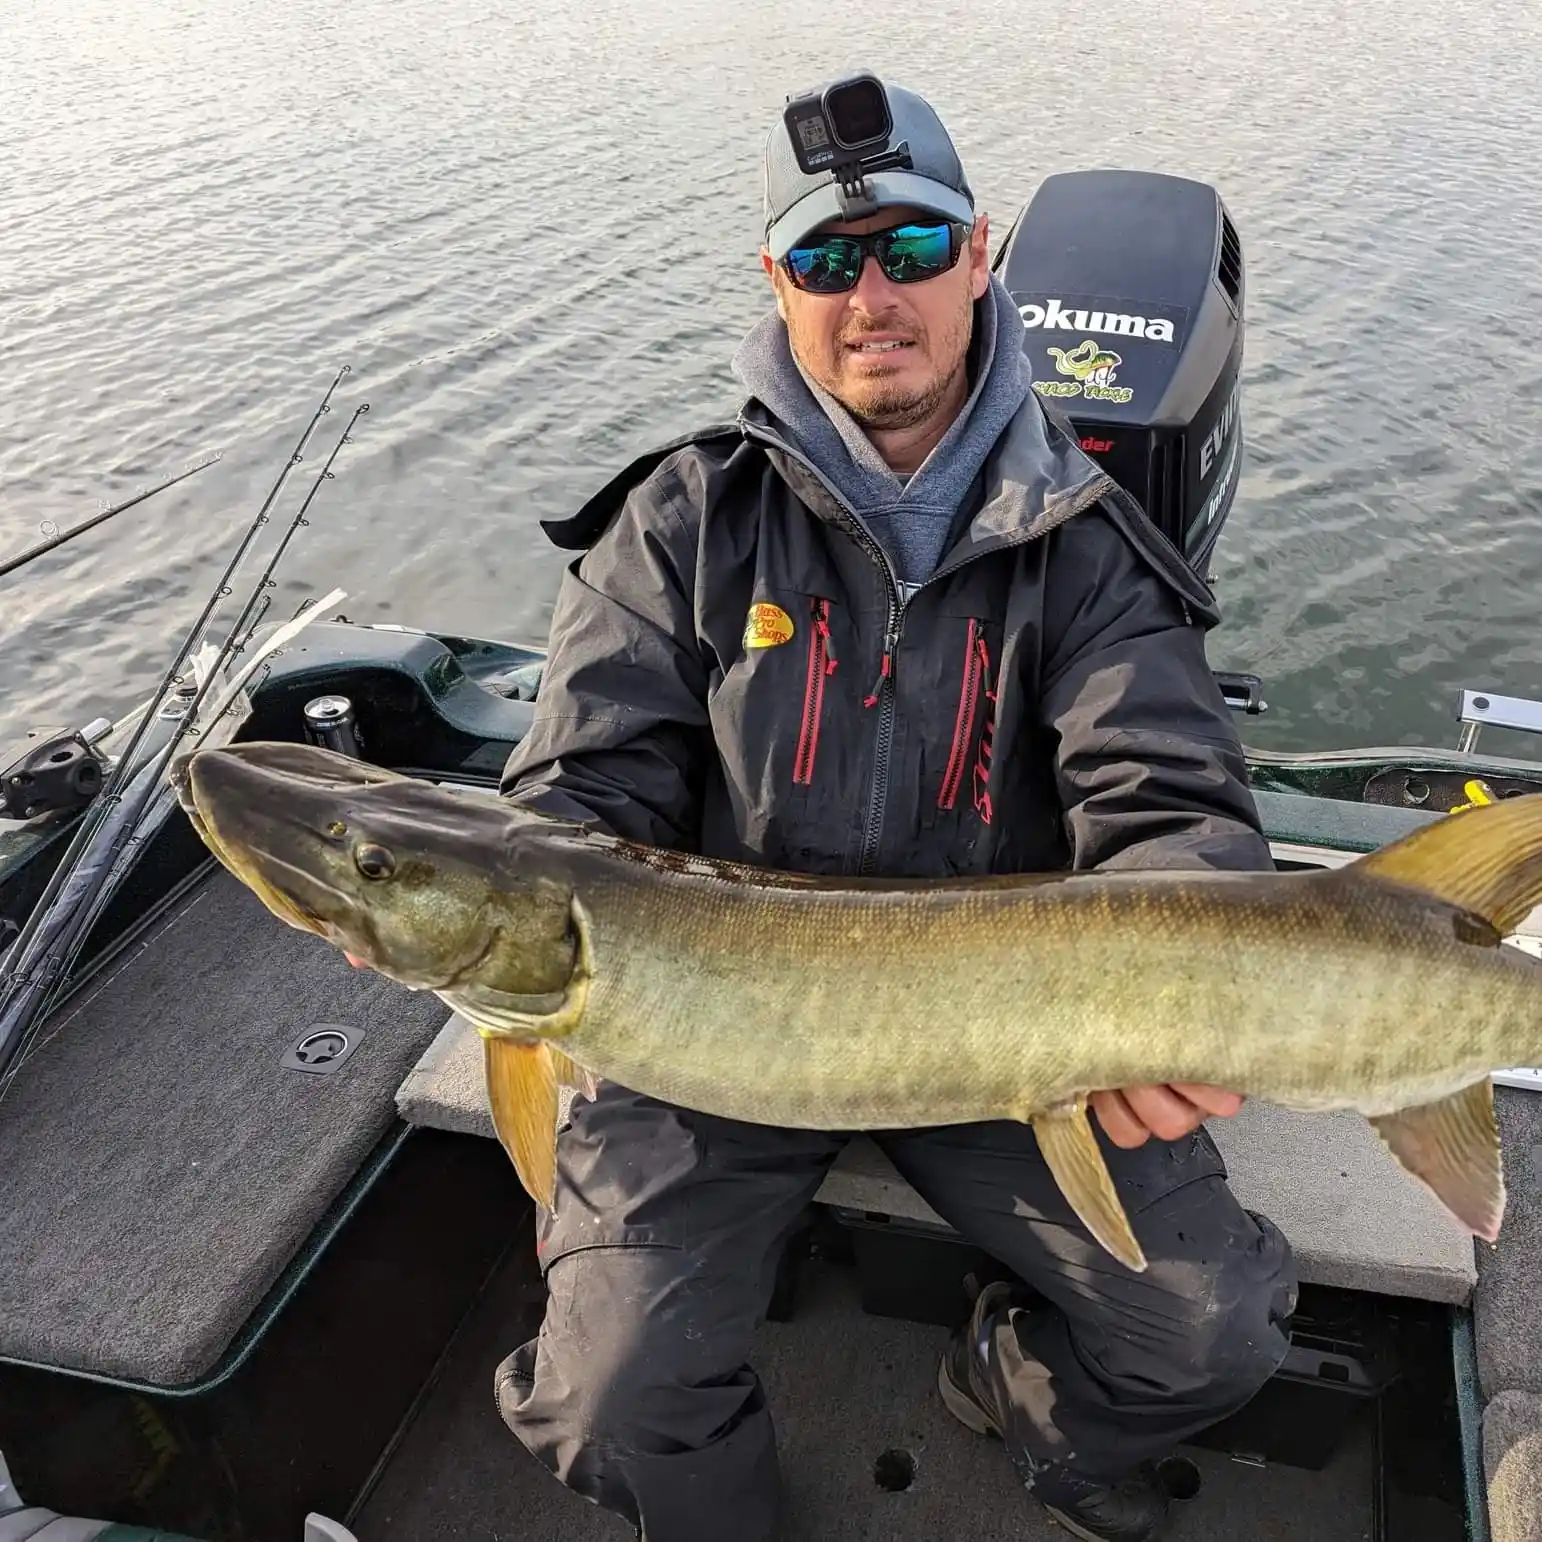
(532, 232)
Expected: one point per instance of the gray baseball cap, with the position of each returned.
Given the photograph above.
(796, 203)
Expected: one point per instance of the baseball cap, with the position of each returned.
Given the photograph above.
(796, 203)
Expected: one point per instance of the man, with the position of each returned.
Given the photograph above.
(891, 621)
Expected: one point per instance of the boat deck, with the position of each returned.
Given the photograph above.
(853, 1395)
(160, 1166)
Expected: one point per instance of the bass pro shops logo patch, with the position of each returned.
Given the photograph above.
(766, 626)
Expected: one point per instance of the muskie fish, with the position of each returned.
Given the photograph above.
(845, 1004)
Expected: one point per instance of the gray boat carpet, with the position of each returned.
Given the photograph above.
(846, 1389)
(159, 1166)
(1507, 1307)
(1507, 1318)
(1512, 1466)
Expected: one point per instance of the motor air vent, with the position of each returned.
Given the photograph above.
(1229, 269)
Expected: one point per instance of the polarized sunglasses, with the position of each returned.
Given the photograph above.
(908, 254)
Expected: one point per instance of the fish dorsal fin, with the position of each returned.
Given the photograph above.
(1486, 860)
(1453, 1148)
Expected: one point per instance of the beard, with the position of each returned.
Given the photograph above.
(884, 402)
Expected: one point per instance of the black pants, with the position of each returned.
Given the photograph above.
(661, 1260)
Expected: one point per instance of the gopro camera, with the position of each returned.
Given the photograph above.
(841, 126)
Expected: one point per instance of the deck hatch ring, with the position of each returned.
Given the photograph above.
(322, 1048)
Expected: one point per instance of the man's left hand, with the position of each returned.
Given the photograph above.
(1132, 1115)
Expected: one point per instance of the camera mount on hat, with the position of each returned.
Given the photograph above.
(844, 128)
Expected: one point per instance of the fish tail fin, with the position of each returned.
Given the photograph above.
(1486, 860)
(522, 1093)
(1452, 1147)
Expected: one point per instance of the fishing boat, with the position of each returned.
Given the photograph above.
(260, 1252)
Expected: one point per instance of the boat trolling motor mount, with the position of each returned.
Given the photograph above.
(1131, 286)
(60, 769)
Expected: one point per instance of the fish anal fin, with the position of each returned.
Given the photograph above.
(1486, 859)
(1075, 1160)
(522, 1093)
(570, 1073)
(1452, 1147)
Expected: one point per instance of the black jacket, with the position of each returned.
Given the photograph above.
(734, 670)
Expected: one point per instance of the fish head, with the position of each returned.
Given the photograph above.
(411, 878)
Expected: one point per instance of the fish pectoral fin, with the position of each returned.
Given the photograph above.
(1075, 1161)
(1453, 1148)
(522, 1092)
(1487, 860)
(570, 1073)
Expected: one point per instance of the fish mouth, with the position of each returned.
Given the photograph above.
(258, 807)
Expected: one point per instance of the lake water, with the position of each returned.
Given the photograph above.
(531, 232)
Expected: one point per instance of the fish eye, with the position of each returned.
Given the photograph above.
(337, 828)
(374, 861)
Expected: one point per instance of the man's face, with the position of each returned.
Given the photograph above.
(838, 338)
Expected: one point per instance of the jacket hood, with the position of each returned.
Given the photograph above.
(1034, 473)
(910, 517)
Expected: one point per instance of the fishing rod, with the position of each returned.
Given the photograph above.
(246, 623)
(99, 871)
(29, 969)
(92, 882)
(11, 564)
(236, 642)
(174, 674)
(172, 677)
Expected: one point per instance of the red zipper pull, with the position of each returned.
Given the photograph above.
(883, 674)
(886, 669)
(822, 626)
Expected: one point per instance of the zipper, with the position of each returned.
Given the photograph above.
(982, 759)
(963, 724)
(821, 664)
(882, 694)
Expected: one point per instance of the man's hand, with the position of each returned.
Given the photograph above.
(1131, 1116)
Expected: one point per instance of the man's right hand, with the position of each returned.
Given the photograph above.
(1130, 1116)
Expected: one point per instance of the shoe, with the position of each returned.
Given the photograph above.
(1133, 1510)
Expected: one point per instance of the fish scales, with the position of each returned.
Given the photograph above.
(823, 1008)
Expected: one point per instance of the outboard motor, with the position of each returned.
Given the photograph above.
(1131, 286)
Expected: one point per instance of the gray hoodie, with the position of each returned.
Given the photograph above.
(910, 518)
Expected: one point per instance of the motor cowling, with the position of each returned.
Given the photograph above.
(1131, 286)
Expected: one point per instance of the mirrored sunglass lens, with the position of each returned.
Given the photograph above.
(829, 266)
(917, 251)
